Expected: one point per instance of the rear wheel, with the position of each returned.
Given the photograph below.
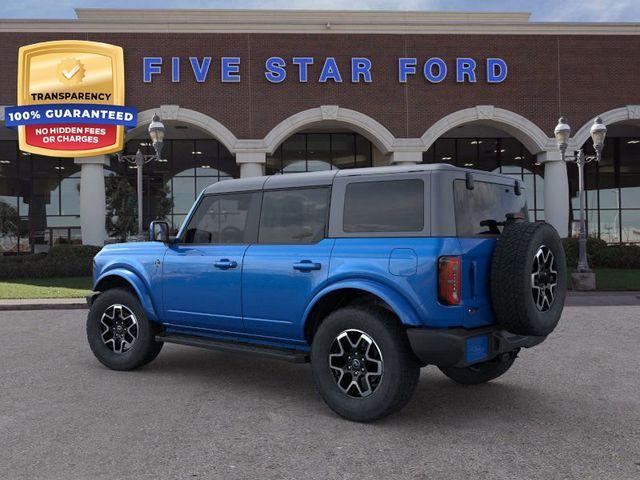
(481, 372)
(362, 363)
(119, 333)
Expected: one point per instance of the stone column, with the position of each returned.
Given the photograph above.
(92, 199)
(405, 158)
(251, 163)
(556, 191)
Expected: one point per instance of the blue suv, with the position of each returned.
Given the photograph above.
(369, 274)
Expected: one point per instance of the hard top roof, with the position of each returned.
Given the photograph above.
(326, 177)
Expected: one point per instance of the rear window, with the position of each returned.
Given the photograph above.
(385, 206)
(481, 210)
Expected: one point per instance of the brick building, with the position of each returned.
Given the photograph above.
(267, 92)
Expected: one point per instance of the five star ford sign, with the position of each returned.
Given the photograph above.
(70, 99)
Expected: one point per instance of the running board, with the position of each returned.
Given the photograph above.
(288, 355)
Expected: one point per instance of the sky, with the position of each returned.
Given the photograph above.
(542, 10)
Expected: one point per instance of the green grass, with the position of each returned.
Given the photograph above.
(70, 287)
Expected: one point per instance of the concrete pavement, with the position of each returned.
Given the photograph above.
(568, 409)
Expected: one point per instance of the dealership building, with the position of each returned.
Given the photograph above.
(246, 93)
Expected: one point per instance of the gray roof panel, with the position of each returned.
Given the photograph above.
(325, 177)
(292, 180)
(236, 185)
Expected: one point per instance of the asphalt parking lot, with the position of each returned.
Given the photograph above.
(568, 409)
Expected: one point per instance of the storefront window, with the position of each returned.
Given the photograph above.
(487, 153)
(294, 154)
(511, 156)
(445, 151)
(171, 186)
(364, 152)
(181, 162)
(612, 191)
(37, 194)
(318, 152)
(8, 159)
(308, 152)
(467, 152)
(630, 173)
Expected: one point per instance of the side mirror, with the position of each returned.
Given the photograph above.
(159, 231)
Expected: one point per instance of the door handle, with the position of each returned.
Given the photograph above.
(225, 264)
(306, 266)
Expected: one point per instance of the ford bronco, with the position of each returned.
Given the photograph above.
(369, 274)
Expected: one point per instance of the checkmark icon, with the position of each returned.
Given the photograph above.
(71, 73)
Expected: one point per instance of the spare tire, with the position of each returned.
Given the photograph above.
(528, 278)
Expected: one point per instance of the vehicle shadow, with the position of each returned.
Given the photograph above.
(437, 399)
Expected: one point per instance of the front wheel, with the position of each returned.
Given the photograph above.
(481, 372)
(119, 333)
(362, 363)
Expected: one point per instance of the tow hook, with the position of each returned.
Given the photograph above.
(512, 355)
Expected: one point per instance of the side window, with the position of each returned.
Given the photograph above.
(385, 206)
(481, 211)
(295, 216)
(230, 218)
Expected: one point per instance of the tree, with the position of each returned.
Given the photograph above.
(162, 201)
(122, 207)
(9, 222)
(122, 215)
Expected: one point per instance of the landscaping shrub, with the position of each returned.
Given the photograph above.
(69, 251)
(601, 255)
(571, 249)
(61, 261)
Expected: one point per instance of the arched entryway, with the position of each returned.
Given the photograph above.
(324, 138)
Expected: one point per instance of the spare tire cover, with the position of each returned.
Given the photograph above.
(528, 278)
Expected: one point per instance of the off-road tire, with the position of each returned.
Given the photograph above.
(400, 369)
(481, 372)
(512, 295)
(143, 349)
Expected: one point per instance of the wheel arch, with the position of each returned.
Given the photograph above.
(122, 278)
(350, 292)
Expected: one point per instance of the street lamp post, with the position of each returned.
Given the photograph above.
(562, 133)
(156, 133)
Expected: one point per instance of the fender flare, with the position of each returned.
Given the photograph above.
(138, 286)
(398, 303)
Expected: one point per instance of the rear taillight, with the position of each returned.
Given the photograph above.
(449, 280)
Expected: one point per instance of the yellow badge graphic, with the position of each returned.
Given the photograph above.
(70, 71)
(71, 99)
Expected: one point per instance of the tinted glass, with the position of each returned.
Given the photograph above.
(294, 216)
(467, 150)
(388, 206)
(225, 219)
(478, 210)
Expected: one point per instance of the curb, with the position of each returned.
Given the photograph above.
(42, 304)
(602, 299)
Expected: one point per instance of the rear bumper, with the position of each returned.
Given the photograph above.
(458, 347)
